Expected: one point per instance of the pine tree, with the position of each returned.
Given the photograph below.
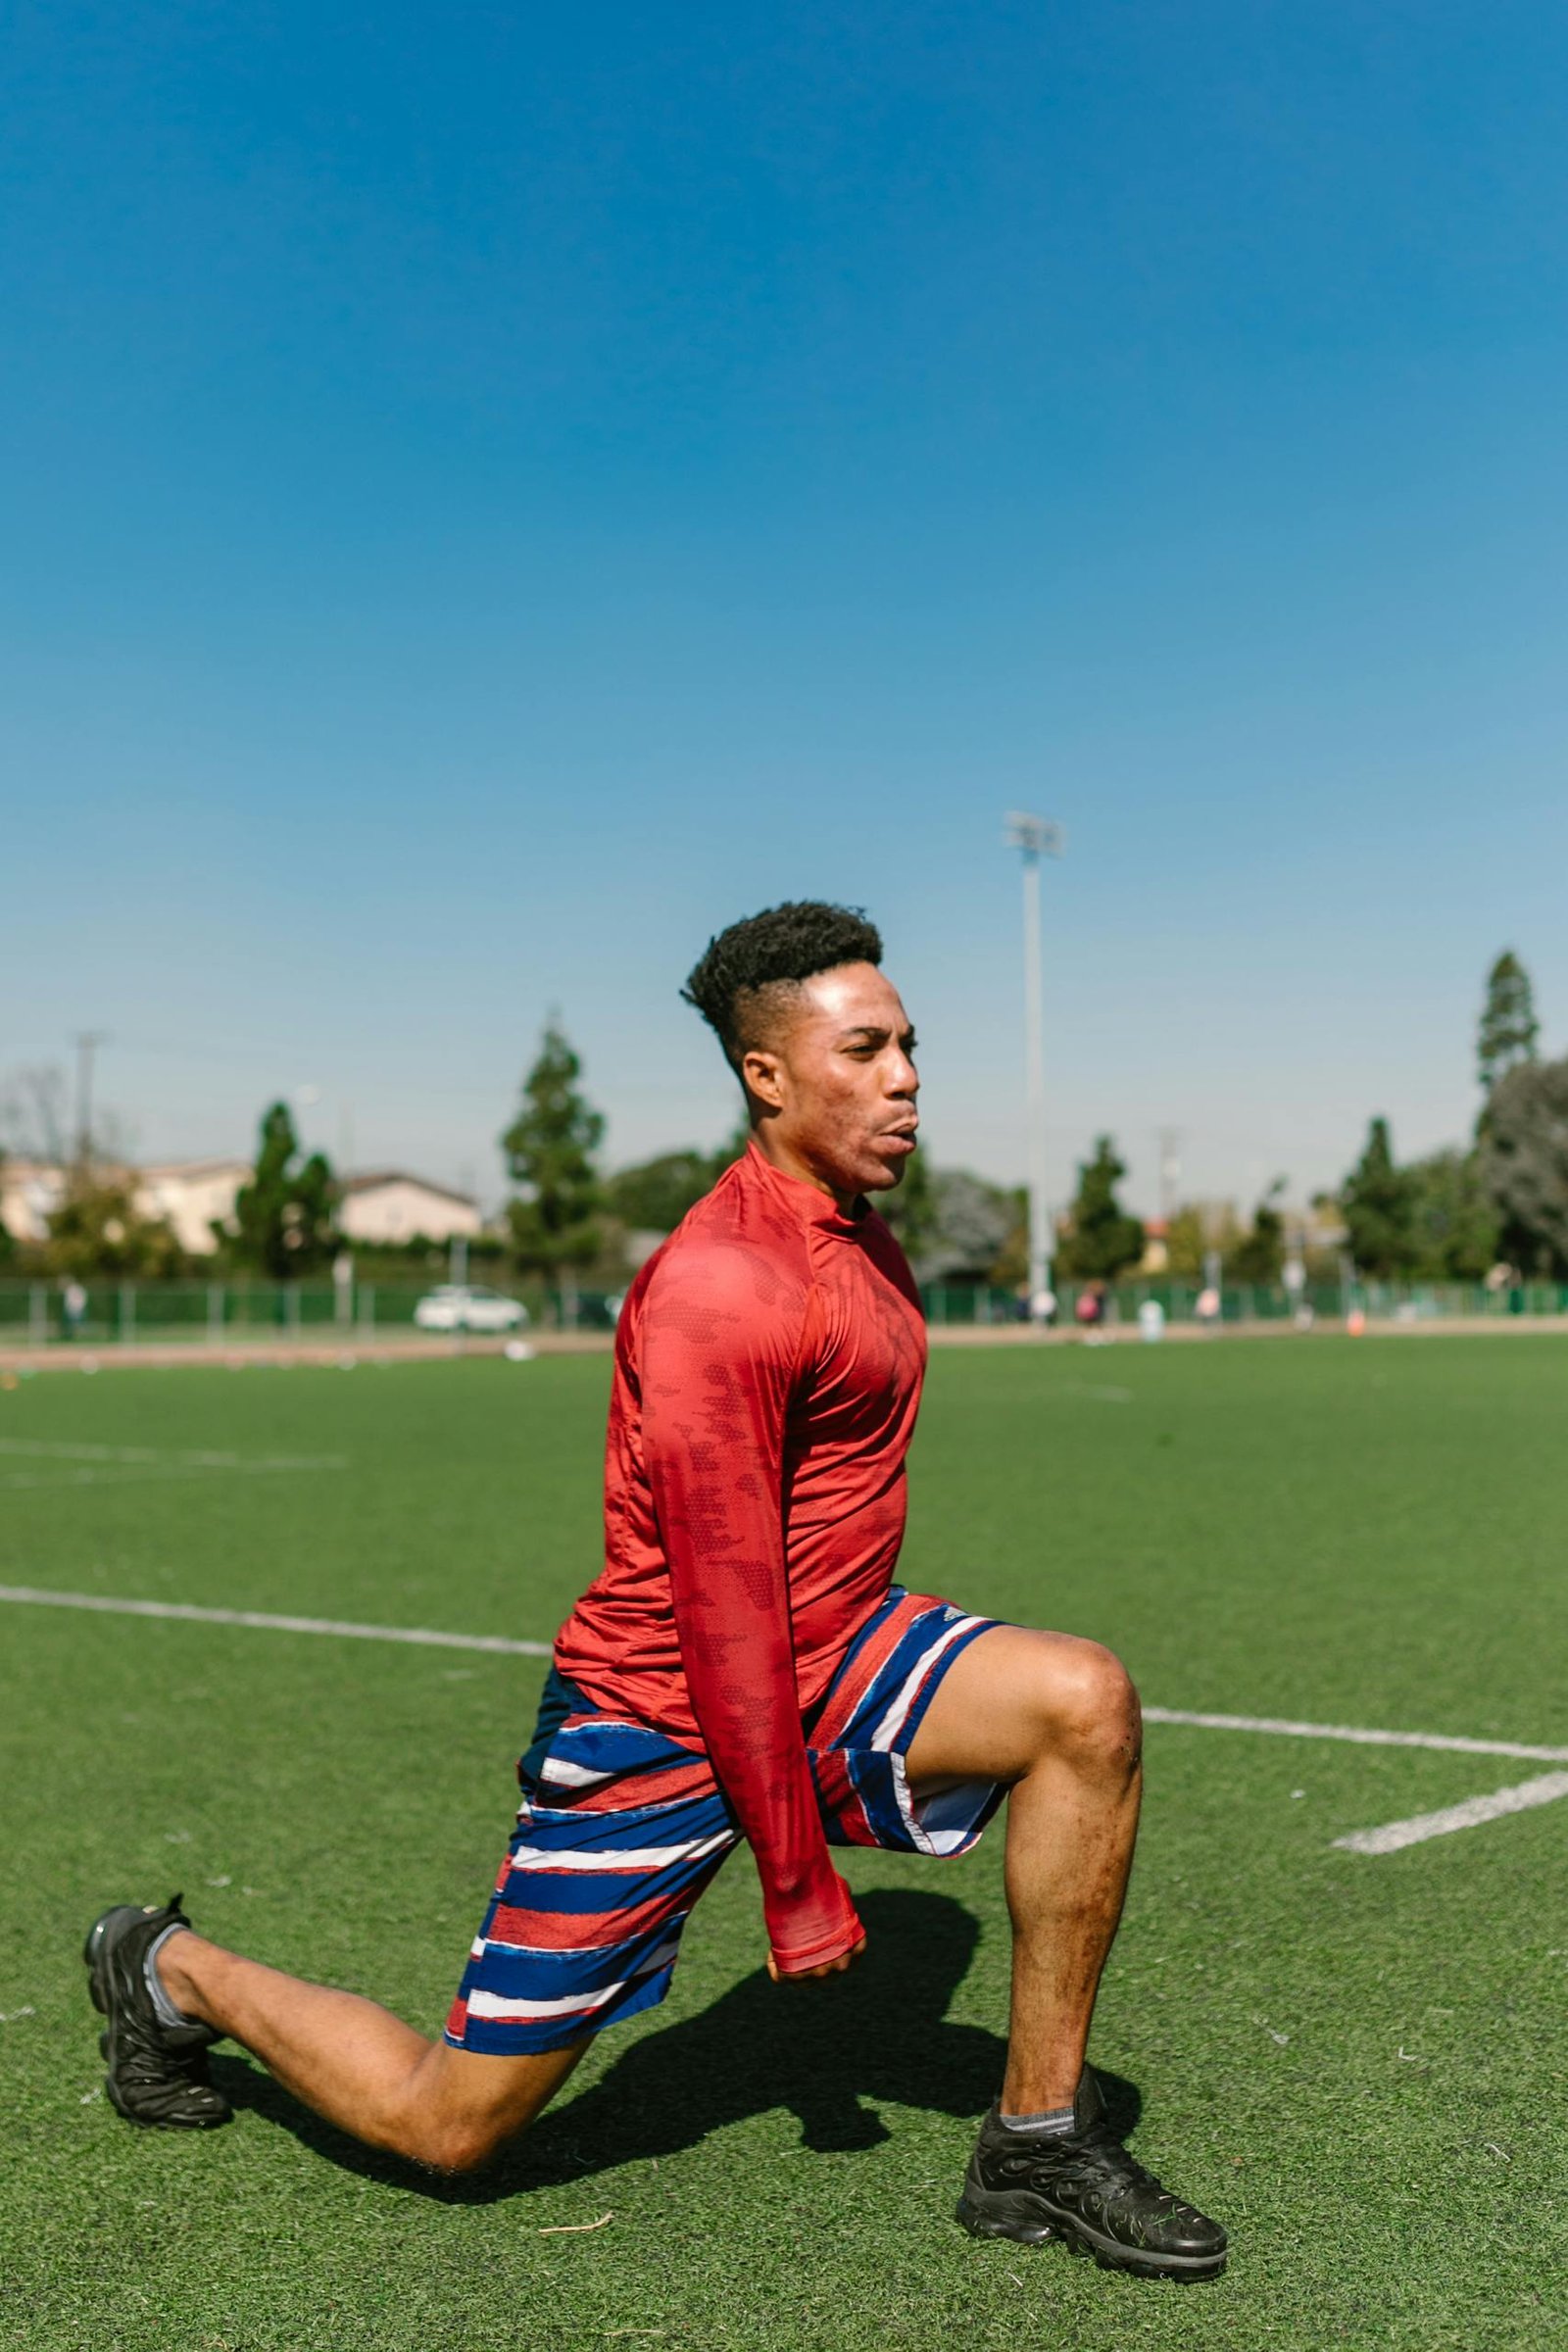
(1105, 1241)
(284, 1221)
(550, 1149)
(1508, 1026)
(1378, 1201)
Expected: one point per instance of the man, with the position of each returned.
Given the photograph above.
(745, 1667)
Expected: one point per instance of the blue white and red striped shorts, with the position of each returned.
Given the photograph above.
(621, 1828)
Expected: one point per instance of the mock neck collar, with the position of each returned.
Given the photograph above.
(811, 1205)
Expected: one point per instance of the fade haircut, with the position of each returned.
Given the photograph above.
(746, 976)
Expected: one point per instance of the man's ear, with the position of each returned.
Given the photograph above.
(763, 1076)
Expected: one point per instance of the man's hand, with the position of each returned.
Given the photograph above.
(823, 1968)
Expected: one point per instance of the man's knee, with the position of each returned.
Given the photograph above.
(459, 2111)
(464, 2140)
(1091, 1711)
(462, 2143)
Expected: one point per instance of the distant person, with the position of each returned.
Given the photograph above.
(744, 1668)
(1089, 1310)
(1207, 1309)
(72, 1309)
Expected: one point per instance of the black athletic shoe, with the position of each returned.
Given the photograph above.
(157, 2072)
(1084, 2189)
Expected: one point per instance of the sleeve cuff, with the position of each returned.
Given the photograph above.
(828, 1943)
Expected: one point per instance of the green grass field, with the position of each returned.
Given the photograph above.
(1357, 2063)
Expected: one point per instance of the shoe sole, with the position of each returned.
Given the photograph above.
(1029, 2222)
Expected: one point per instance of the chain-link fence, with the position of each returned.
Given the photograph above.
(121, 1313)
(1258, 1303)
(211, 1314)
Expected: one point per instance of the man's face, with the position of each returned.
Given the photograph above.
(839, 1082)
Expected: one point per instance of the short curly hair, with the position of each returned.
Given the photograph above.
(745, 975)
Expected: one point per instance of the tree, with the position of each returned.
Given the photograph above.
(1009, 1268)
(1525, 1160)
(912, 1210)
(284, 1222)
(1455, 1222)
(1508, 1026)
(550, 1149)
(1378, 1203)
(33, 1115)
(1102, 1239)
(1259, 1254)
(654, 1195)
(956, 1227)
(97, 1229)
(1198, 1229)
(972, 1224)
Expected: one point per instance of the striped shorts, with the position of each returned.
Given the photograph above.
(621, 1828)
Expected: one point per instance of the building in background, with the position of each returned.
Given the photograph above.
(192, 1196)
(1155, 1260)
(386, 1207)
(30, 1191)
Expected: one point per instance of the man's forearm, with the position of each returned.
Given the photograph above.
(748, 1715)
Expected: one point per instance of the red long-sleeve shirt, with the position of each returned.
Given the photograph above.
(767, 1375)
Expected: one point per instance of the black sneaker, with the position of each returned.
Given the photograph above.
(157, 2072)
(1084, 2189)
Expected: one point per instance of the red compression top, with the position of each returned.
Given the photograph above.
(767, 1374)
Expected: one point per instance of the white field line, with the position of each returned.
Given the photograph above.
(1397, 1834)
(192, 1457)
(52, 1481)
(82, 1465)
(1467, 1816)
(187, 1613)
(1360, 1739)
(1385, 1840)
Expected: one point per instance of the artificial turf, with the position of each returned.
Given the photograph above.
(1359, 2064)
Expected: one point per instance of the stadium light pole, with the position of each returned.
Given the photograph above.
(1035, 837)
(87, 1045)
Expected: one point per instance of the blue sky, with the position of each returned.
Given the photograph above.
(492, 495)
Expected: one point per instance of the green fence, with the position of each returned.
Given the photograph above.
(119, 1313)
(1258, 1303)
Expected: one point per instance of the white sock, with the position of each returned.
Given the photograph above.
(1048, 2124)
(167, 2013)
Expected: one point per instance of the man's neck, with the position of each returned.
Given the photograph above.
(780, 1154)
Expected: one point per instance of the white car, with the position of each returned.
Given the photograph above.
(456, 1307)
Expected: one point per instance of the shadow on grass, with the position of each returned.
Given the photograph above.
(820, 2051)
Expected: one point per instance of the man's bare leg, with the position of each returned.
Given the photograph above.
(1057, 1718)
(360, 2066)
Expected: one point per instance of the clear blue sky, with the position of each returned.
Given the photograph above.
(492, 494)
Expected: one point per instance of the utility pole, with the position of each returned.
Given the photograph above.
(87, 1043)
(457, 1268)
(1035, 837)
(1170, 1171)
